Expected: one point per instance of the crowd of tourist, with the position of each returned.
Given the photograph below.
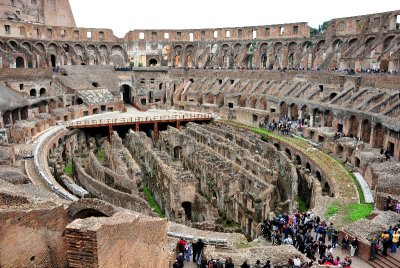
(310, 235)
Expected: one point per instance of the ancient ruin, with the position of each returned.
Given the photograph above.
(112, 149)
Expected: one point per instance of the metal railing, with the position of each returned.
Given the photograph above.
(128, 120)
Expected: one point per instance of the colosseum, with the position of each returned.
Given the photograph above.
(116, 150)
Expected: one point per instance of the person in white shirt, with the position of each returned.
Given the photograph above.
(297, 262)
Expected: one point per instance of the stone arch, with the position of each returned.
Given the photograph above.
(209, 98)
(288, 152)
(306, 45)
(187, 207)
(353, 126)
(40, 46)
(153, 62)
(126, 91)
(332, 96)
(283, 108)
(20, 62)
(263, 104)
(337, 43)
(320, 45)
(328, 118)
(117, 56)
(352, 41)
(369, 42)
(384, 65)
(42, 92)
(52, 47)
(294, 111)
(14, 44)
(79, 101)
(379, 136)
(252, 102)
(27, 46)
(33, 92)
(66, 47)
(242, 101)
(308, 166)
(366, 131)
(388, 42)
(297, 159)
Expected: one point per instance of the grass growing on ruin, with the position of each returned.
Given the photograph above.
(351, 212)
(356, 212)
(152, 202)
(69, 170)
(302, 204)
(101, 155)
(332, 210)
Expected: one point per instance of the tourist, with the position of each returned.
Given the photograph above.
(345, 242)
(329, 231)
(374, 248)
(335, 237)
(188, 251)
(199, 249)
(385, 242)
(245, 265)
(353, 247)
(176, 264)
(296, 262)
(258, 264)
(194, 249)
(229, 263)
(322, 249)
(267, 264)
(395, 241)
(181, 259)
(181, 246)
(398, 207)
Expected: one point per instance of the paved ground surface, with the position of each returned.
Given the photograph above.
(133, 113)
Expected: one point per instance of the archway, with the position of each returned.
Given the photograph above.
(42, 92)
(79, 101)
(32, 92)
(379, 135)
(177, 152)
(87, 213)
(187, 206)
(284, 108)
(328, 118)
(365, 130)
(20, 62)
(53, 60)
(353, 126)
(153, 62)
(384, 65)
(126, 93)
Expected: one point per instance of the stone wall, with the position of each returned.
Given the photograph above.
(100, 190)
(120, 182)
(141, 240)
(42, 224)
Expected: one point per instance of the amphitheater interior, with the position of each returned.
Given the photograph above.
(112, 149)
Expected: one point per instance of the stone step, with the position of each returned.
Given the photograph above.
(378, 264)
(388, 261)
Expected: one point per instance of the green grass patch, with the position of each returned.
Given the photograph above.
(302, 204)
(152, 202)
(69, 169)
(351, 212)
(101, 155)
(355, 212)
(332, 210)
